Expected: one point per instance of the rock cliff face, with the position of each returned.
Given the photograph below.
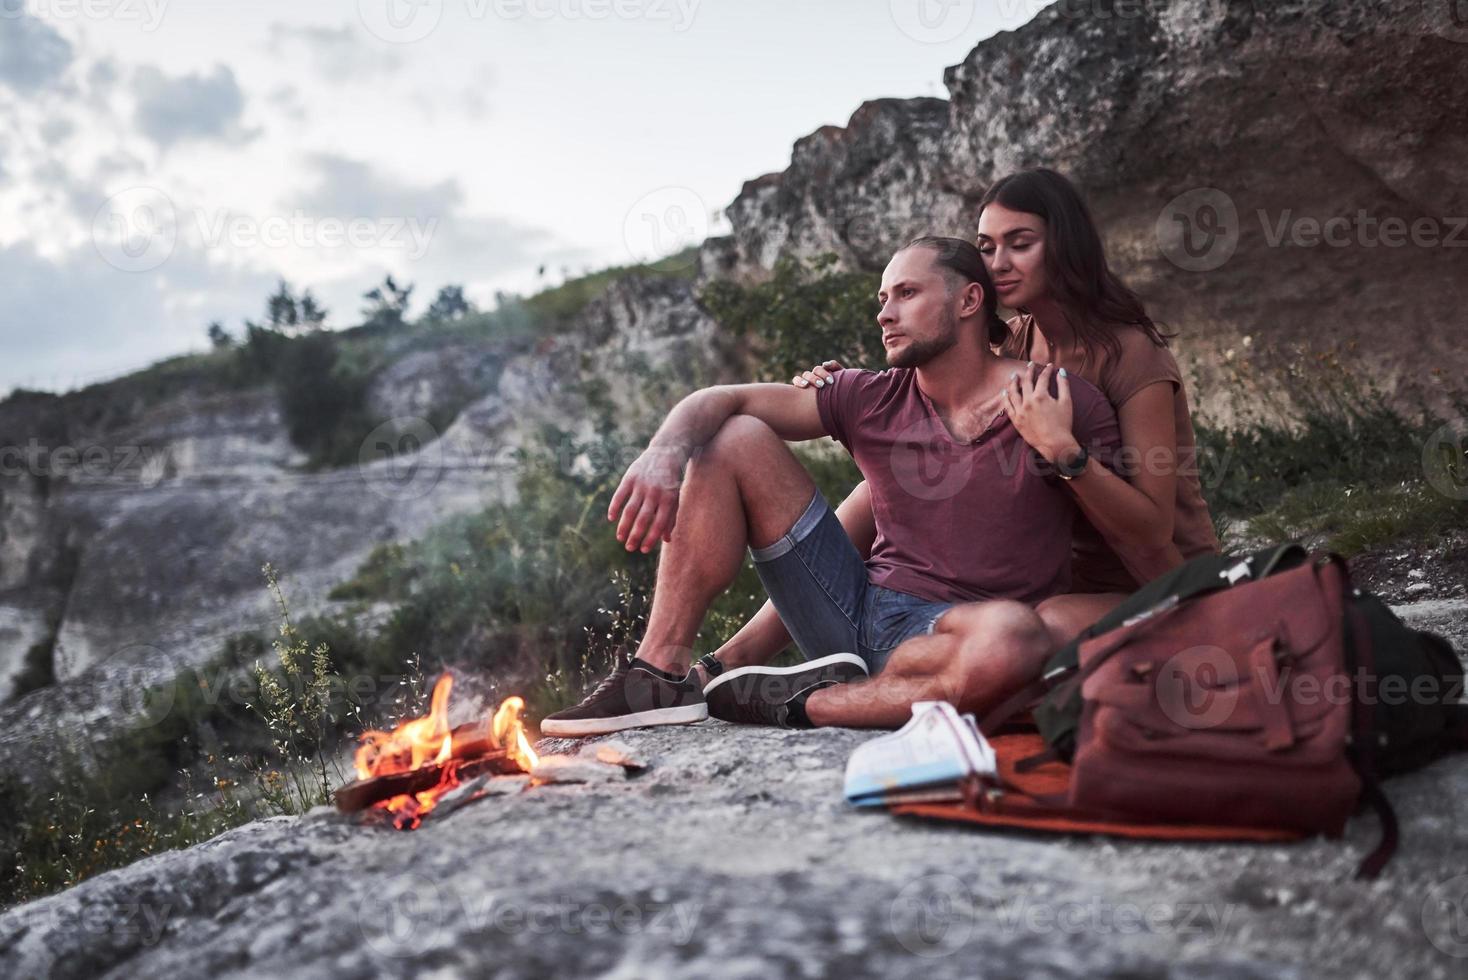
(164, 538)
(1290, 172)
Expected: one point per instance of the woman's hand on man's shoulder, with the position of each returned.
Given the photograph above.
(817, 376)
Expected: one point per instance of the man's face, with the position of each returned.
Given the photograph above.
(918, 316)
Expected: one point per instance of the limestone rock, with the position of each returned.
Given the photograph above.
(761, 871)
(1291, 112)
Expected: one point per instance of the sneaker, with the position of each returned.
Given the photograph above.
(634, 695)
(760, 695)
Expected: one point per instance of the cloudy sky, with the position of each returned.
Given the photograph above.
(163, 162)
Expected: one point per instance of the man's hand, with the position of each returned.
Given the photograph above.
(646, 500)
(645, 505)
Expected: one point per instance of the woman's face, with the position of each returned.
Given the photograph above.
(1013, 246)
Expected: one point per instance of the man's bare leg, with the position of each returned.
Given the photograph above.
(1065, 616)
(978, 654)
(745, 488)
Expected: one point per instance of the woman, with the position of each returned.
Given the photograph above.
(1045, 257)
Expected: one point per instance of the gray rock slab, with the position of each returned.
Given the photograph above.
(735, 856)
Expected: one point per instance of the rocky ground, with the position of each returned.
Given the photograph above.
(734, 855)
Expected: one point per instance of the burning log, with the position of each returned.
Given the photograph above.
(406, 770)
(362, 793)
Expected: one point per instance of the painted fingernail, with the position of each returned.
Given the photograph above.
(1062, 372)
(820, 383)
(802, 382)
(1013, 376)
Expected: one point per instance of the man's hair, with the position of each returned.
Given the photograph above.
(962, 264)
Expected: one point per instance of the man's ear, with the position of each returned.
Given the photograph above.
(973, 300)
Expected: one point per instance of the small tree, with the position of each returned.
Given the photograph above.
(219, 338)
(281, 311)
(450, 304)
(386, 305)
(312, 314)
(286, 313)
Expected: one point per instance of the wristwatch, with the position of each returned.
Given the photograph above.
(1077, 466)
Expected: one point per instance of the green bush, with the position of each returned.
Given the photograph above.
(1367, 441)
(323, 396)
(1336, 462)
(806, 313)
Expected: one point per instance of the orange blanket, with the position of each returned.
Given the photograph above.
(1025, 807)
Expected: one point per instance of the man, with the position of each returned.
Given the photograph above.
(973, 525)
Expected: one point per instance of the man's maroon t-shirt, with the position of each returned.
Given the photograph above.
(960, 522)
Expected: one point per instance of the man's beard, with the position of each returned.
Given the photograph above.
(919, 352)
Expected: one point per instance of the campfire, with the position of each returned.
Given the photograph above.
(407, 770)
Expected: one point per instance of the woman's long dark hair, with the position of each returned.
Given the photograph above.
(1092, 298)
(961, 260)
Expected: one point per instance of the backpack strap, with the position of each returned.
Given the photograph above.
(1363, 738)
(1371, 866)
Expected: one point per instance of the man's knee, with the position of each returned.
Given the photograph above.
(738, 436)
(1066, 616)
(1000, 621)
(1059, 619)
(1001, 645)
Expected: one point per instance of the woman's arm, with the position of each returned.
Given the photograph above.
(765, 635)
(1135, 516)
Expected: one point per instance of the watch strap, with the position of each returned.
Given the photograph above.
(1077, 466)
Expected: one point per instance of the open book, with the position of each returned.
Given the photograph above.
(925, 760)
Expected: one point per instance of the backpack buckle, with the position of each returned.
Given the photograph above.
(1237, 572)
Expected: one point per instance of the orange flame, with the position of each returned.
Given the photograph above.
(428, 741)
(506, 722)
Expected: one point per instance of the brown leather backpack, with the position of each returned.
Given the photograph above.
(1254, 693)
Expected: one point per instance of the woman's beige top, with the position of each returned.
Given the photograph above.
(1095, 567)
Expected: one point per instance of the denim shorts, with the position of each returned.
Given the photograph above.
(818, 583)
